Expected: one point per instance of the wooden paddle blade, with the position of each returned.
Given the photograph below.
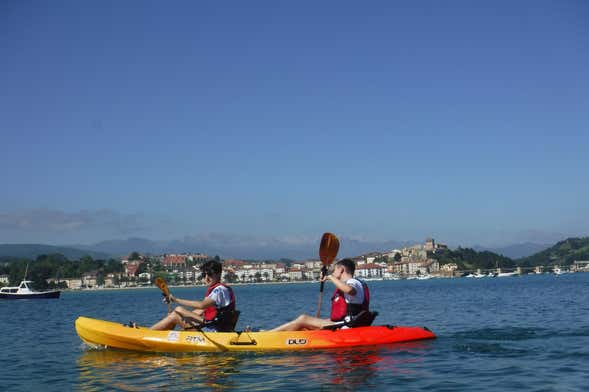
(328, 248)
(159, 282)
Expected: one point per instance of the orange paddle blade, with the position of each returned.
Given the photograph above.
(328, 248)
(159, 282)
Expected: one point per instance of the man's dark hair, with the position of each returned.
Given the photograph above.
(348, 264)
(211, 267)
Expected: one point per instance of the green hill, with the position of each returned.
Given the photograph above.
(470, 259)
(31, 251)
(563, 253)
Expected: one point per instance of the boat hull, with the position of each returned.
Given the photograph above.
(114, 335)
(37, 295)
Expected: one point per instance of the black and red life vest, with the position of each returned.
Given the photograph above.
(212, 312)
(340, 308)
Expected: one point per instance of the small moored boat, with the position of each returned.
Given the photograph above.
(24, 291)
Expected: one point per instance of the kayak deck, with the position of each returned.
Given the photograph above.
(114, 335)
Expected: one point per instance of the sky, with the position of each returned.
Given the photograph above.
(463, 121)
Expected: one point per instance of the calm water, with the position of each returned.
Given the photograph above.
(519, 333)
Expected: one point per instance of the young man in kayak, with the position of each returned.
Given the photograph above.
(351, 296)
(215, 313)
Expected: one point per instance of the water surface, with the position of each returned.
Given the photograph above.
(517, 333)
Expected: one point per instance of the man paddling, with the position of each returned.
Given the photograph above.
(351, 297)
(215, 313)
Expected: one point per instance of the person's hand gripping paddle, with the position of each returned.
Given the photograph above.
(159, 282)
(327, 252)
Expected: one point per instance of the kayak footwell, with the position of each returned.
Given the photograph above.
(114, 335)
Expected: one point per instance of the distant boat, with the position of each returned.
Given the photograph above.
(23, 291)
(504, 274)
(559, 271)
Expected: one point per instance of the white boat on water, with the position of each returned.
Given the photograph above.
(504, 274)
(24, 291)
(559, 271)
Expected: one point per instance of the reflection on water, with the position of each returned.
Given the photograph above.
(129, 371)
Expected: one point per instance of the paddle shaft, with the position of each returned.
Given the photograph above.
(164, 288)
(323, 273)
(219, 345)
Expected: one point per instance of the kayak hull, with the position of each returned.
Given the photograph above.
(99, 333)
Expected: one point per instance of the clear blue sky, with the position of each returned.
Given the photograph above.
(464, 121)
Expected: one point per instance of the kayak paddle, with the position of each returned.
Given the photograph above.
(327, 252)
(159, 282)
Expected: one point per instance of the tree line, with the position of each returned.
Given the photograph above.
(55, 266)
(470, 259)
(563, 253)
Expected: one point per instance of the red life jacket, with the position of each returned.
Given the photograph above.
(340, 308)
(211, 312)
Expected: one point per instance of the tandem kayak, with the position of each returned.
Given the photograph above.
(99, 333)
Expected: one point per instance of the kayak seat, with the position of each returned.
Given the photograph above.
(362, 319)
(231, 321)
(224, 322)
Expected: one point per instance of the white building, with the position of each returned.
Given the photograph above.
(295, 274)
(369, 271)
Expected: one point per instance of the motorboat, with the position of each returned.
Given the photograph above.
(504, 274)
(24, 291)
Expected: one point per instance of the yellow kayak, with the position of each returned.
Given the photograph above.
(101, 333)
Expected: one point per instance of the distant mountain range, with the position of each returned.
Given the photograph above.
(227, 246)
(240, 247)
(564, 252)
(31, 251)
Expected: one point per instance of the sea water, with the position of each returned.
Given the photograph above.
(528, 333)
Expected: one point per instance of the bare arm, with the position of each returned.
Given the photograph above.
(205, 303)
(347, 289)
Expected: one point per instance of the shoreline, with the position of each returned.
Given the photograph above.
(185, 286)
(290, 282)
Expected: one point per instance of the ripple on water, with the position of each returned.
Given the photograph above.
(504, 334)
(530, 333)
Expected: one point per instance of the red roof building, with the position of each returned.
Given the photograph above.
(131, 269)
(175, 260)
(234, 263)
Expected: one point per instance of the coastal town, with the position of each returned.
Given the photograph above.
(413, 262)
(182, 269)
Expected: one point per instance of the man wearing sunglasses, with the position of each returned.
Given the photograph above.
(215, 313)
